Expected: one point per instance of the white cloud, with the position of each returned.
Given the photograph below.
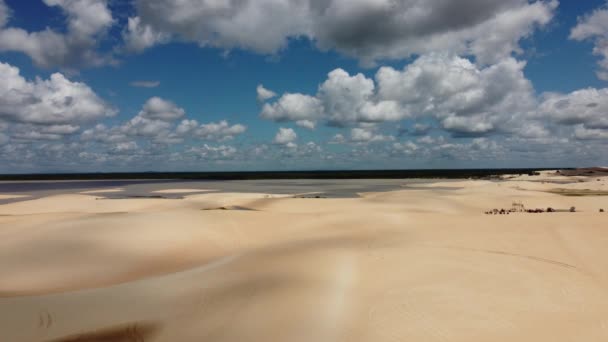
(407, 147)
(87, 21)
(594, 27)
(56, 101)
(264, 94)
(583, 110)
(156, 122)
(186, 127)
(101, 133)
(427, 139)
(219, 131)
(593, 24)
(144, 127)
(213, 152)
(285, 136)
(138, 37)
(293, 107)
(342, 100)
(145, 84)
(32, 132)
(35, 135)
(365, 29)
(338, 139)
(226, 25)
(61, 129)
(585, 106)
(85, 17)
(157, 108)
(125, 147)
(362, 135)
(309, 124)
(349, 99)
(5, 13)
(420, 129)
(583, 133)
(464, 98)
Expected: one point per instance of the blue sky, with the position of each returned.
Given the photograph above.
(96, 85)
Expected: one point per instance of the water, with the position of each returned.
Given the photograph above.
(346, 188)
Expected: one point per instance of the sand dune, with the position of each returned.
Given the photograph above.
(421, 264)
(179, 191)
(10, 196)
(103, 191)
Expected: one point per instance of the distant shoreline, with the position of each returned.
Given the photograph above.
(270, 175)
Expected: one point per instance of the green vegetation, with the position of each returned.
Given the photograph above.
(256, 175)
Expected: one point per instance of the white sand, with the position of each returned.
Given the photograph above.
(179, 191)
(411, 265)
(9, 196)
(103, 191)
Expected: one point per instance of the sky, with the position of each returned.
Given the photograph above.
(214, 85)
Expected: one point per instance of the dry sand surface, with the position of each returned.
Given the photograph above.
(102, 191)
(423, 264)
(178, 191)
(9, 196)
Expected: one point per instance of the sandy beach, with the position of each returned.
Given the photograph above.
(419, 263)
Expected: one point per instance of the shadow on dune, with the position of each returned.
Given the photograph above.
(198, 304)
(137, 332)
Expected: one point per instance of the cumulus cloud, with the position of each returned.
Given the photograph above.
(429, 140)
(594, 26)
(293, 107)
(309, 124)
(585, 108)
(583, 133)
(55, 101)
(387, 29)
(34, 132)
(464, 98)
(362, 135)
(145, 127)
(350, 99)
(157, 123)
(87, 21)
(285, 136)
(138, 37)
(226, 25)
(124, 147)
(158, 109)
(364, 29)
(450, 93)
(338, 139)
(104, 134)
(220, 131)
(264, 94)
(5, 13)
(213, 152)
(61, 129)
(407, 148)
(341, 100)
(420, 129)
